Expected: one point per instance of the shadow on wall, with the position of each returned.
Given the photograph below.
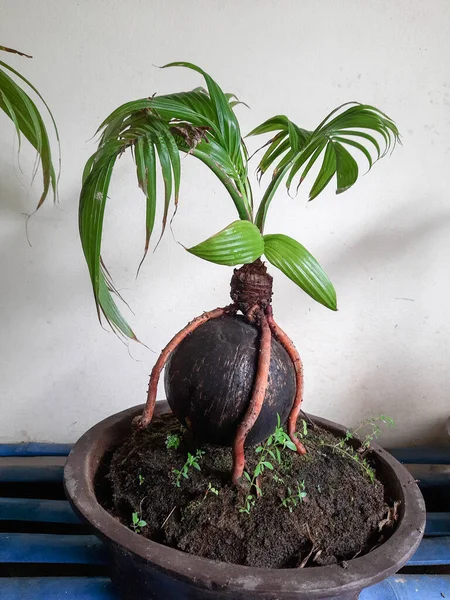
(406, 378)
(392, 237)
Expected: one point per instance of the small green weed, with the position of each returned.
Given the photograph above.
(210, 490)
(137, 522)
(279, 440)
(277, 478)
(191, 461)
(358, 455)
(292, 500)
(173, 440)
(141, 479)
(304, 431)
(375, 425)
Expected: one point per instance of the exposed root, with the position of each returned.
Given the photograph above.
(256, 401)
(144, 420)
(288, 345)
(251, 313)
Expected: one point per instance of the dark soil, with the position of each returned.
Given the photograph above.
(343, 514)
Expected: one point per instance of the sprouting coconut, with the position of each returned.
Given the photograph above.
(228, 376)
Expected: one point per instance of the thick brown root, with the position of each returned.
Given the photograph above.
(144, 420)
(256, 401)
(288, 345)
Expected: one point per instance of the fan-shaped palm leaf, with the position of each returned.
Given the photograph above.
(17, 104)
(293, 151)
(202, 123)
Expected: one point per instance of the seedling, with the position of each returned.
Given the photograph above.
(173, 440)
(210, 490)
(343, 448)
(278, 440)
(293, 499)
(191, 461)
(137, 522)
(304, 429)
(141, 479)
(374, 423)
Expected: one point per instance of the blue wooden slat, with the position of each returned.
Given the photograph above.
(422, 455)
(438, 523)
(31, 469)
(56, 588)
(87, 549)
(35, 449)
(397, 587)
(41, 511)
(18, 474)
(49, 548)
(432, 551)
(433, 480)
(409, 587)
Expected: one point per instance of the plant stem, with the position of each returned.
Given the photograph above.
(261, 215)
(236, 196)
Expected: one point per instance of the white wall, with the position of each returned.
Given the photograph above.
(385, 243)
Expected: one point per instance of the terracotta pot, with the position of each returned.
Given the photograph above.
(142, 569)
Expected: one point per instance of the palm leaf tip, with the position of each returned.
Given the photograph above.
(13, 51)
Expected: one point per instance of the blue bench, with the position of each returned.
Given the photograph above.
(46, 553)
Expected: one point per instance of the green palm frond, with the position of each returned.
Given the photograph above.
(239, 243)
(17, 104)
(293, 151)
(200, 123)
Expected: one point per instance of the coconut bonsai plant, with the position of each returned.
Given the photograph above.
(231, 379)
(28, 121)
(202, 123)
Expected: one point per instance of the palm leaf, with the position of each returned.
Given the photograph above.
(359, 127)
(301, 267)
(28, 121)
(223, 113)
(241, 242)
(146, 173)
(201, 123)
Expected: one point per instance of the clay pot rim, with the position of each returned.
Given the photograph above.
(79, 474)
